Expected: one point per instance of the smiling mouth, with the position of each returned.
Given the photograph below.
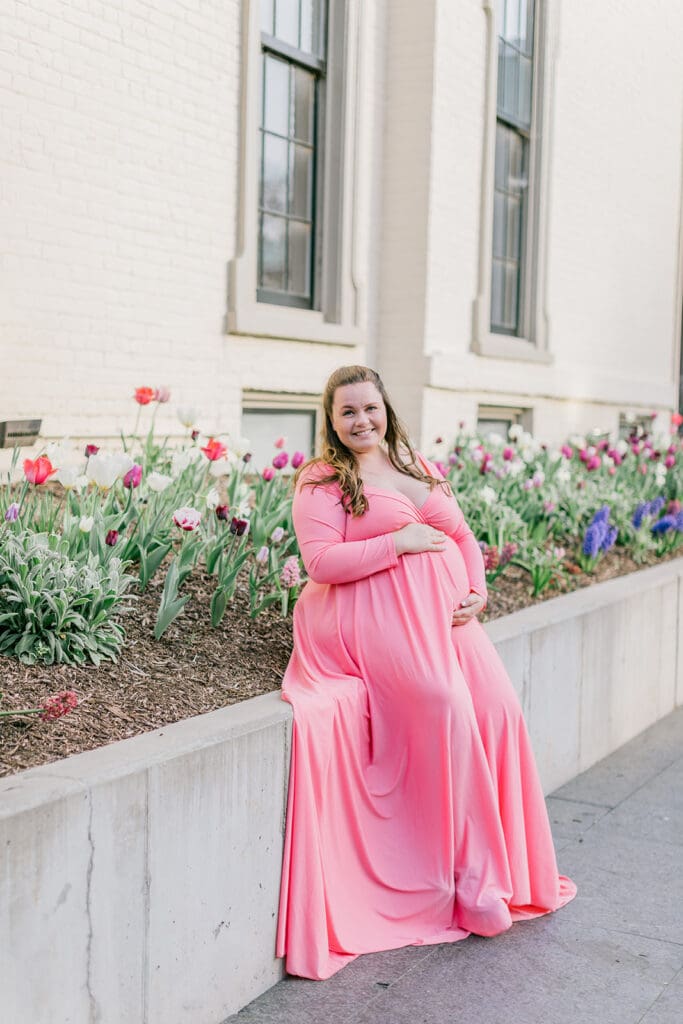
(364, 433)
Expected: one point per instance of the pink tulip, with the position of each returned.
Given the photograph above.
(280, 442)
(133, 477)
(187, 518)
(508, 453)
(281, 460)
(670, 461)
(612, 470)
(567, 451)
(594, 462)
(268, 473)
(297, 459)
(161, 395)
(38, 470)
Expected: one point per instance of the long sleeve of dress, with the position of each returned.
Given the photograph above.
(319, 523)
(467, 542)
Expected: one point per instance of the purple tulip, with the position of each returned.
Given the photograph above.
(133, 477)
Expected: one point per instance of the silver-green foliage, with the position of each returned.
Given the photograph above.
(53, 609)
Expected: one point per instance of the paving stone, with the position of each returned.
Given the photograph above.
(617, 776)
(571, 818)
(668, 1008)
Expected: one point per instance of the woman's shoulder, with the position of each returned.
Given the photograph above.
(315, 471)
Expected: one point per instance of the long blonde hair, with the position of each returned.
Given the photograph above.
(343, 461)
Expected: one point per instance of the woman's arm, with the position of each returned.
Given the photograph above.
(467, 542)
(320, 524)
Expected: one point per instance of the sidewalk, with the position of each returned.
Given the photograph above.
(614, 955)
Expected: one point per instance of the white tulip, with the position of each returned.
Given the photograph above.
(68, 474)
(188, 416)
(86, 524)
(212, 499)
(621, 446)
(103, 470)
(515, 431)
(489, 495)
(182, 459)
(158, 481)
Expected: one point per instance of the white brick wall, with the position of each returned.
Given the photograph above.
(118, 208)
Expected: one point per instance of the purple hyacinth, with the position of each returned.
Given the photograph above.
(639, 514)
(664, 524)
(657, 505)
(591, 541)
(609, 538)
(679, 522)
(601, 516)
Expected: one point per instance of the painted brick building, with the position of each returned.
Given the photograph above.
(482, 198)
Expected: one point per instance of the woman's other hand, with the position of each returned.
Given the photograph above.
(469, 609)
(417, 537)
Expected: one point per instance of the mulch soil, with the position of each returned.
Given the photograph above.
(193, 669)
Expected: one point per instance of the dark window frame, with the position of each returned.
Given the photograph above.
(318, 67)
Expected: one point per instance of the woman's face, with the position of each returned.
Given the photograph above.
(359, 416)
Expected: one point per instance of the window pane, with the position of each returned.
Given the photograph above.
(499, 225)
(274, 173)
(524, 107)
(312, 27)
(276, 96)
(497, 293)
(501, 174)
(511, 80)
(287, 21)
(526, 25)
(263, 426)
(267, 16)
(513, 234)
(304, 95)
(512, 20)
(301, 178)
(273, 252)
(510, 306)
(299, 258)
(515, 161)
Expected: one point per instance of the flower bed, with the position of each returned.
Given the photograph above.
(189, 554)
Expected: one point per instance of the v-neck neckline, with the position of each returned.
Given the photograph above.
(399, 494)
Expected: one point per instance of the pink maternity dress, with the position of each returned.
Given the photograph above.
(415, 814)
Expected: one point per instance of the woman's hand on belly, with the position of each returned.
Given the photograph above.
(416, 538)
(469, 609)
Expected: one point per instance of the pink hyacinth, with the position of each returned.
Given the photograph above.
(59, 704)
(291, 574)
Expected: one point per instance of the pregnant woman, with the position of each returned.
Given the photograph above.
(415, 813)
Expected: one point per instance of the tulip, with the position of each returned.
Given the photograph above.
(670, 461)
(214, 449)
(567, 451)
(161, 395)
(12, 513)
(246, 457)
(223, 512)
(158, 482)
(133, 477)
(281, 460)
(280, 442)
(212, 499)
(37, 471)
(268, 473)
(104, 470)
(111, 538)
(261, 555)
(277, 535)
(594, 462)
(187, 416)
(187, 518)
(143, 396)
(91, 449)
(508, 453)
(297, 459)
(239, 526)
(85, 524)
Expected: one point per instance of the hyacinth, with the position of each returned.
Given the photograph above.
(59, 704)
(509, 551)
(599, 536)
(291, 574)
(491, 555)
(666, 523)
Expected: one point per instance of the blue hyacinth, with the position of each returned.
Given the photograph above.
(639, 514)
(664, 524)
(591, 540)
(609, 538)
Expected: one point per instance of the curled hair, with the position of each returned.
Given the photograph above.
(343, 461)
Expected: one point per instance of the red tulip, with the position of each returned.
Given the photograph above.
(143, 396)
(214, 450)
(91, 449)
(37, 471)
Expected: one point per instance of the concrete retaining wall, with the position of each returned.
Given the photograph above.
(139, 882)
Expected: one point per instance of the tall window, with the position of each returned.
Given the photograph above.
(292, 78)
(515, 27)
